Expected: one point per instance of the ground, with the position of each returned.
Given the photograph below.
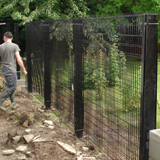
(11, 125)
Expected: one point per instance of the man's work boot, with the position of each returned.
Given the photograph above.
(3, 97)
(12, 98)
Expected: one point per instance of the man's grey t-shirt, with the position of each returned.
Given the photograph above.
(8, 58)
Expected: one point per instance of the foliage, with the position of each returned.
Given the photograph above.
(94, 72)
(100, 70)
(63, 30)
(1, 88)
(104, 63)
(31, 118)
(158, 100)
(30, 10)
(23, 11)
(115, 64)
(114, 7)
(131, 92)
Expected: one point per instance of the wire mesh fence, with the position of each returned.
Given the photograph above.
(91, 71)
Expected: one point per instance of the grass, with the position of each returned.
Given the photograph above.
(158, 95)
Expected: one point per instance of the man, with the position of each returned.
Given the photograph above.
(9, 53)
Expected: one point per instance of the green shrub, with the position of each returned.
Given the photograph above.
(115, 65)
(99, 70)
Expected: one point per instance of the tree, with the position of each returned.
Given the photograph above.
(114, 7)
(28, 10)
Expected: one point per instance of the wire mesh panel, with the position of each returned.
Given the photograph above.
(112, 79)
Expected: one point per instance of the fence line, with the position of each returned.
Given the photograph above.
(101, 76)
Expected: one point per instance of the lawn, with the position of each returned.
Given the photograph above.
(158, 95)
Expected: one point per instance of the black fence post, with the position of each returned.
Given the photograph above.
(16, 31)
(47, 70)
(2, 32)
(78, 77)
(29, 64)
(149, 81)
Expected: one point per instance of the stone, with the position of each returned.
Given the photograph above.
(67, 147)
(100, 155)
(27, 130)
(21, 148)
(89, 158)
(28, 153)
(43, 140)
(48, 123)
(51, 127)
(80, 157)
(41, 110)
(16, 139)
(22, 157)
(36, 137)
(25, 124)
(85, 149)
(28, 138)
(8, 152)
(78, 153)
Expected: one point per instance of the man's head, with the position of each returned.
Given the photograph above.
(7, 36)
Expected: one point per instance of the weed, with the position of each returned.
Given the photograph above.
(31, 118)
(1, 88)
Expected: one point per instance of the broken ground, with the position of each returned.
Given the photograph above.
(28, 119)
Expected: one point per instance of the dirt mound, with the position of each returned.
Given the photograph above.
(45, 136)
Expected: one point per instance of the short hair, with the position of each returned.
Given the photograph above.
(8, 34)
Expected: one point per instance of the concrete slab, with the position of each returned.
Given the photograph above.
(154, 144)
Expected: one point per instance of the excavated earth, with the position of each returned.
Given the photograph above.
(28, 119)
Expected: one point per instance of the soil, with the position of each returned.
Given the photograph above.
(11, 125)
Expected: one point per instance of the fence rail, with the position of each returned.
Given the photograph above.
(101, 76)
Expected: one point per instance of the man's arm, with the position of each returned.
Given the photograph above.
(20, 62)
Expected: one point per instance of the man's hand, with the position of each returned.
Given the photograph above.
(20, 62)
(25, 72)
